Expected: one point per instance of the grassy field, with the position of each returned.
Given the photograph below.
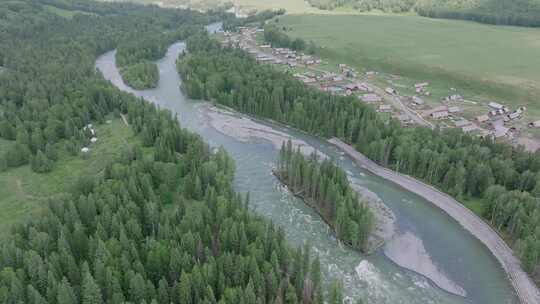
(23, 192)
(62, 12)
(291, 6)
(482, 61)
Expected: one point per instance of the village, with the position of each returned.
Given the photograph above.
(498, 121)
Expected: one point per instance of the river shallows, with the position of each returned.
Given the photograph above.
(453, 252)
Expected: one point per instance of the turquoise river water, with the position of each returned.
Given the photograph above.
(452, 251)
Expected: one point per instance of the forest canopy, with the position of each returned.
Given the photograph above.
(141, 76)
(161, 223)
(279, 39)
(466, 167)
(325, 187)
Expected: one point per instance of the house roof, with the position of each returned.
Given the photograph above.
(418, 100)
(535, 123)
(495, 105)
(370, 97)
(514, 115)
(439, 114)
(482, 118)
(469, 128)
(462, 123)
(454, 109)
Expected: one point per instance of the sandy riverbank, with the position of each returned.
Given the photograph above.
(245, 129)
(408, 251)
(526, 290)
(385, 220)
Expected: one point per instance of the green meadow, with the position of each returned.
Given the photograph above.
(482, 61)
(23, 192)
(64, 13)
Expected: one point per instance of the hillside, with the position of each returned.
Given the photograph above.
(519, 12)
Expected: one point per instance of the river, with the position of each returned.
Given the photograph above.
(427, 239)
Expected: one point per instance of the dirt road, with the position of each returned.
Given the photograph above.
(525, 288)
(396, 102)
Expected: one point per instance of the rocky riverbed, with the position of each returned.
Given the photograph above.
(245, 129)
(385, 220)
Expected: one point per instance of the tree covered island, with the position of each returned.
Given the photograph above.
(324, 187)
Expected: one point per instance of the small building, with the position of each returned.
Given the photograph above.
(403, 118)
(370, 98)
(514, 115)
(428, 113)
(462, 123)
(352, 86)
(456, 97)
(359, 86)
(417, 100)
(484, 133)
(482, 118)
(384, 108)
(496, 106)
(469, 128)
(365, 87)
(453, 97)
(334, 90)
(439, 115)
(421, 85)
(350, 74)
(85, 150)
(390, 91)
(454, 109)
(263, 58)
(535, 124)
(519, 111)
(93, 140)
(285, 52)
